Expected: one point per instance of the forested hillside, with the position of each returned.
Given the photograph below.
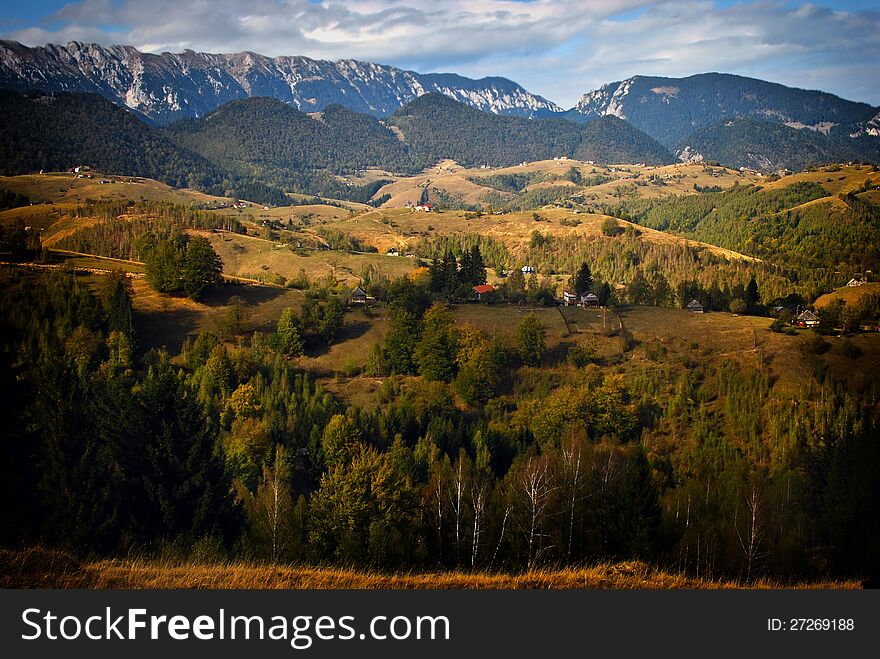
(669, 109)
(58, 132)
(55, 133)
(266, 138)
(799, 226)
(612, 140)
(769, 146)
(436, 125)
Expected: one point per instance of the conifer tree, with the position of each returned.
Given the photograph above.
(289, 333)
(182, 489)
(401, 340)
(583, 280)
(436, 351)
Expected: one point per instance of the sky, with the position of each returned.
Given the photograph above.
(559, 49)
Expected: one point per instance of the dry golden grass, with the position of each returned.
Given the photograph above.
(453, 179)
(352, 345)
(505, 317)
(849, 294)
(41, 568)
(163, 320)
(66, 189)
(396, 227)
(246, 256)
(843, 180)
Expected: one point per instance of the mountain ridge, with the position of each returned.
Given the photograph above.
(169, 86)
(685, 115)
(669, 108)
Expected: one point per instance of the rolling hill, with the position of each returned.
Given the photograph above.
(58, 132)
(263, 137)
(821, 224)
(437, 125)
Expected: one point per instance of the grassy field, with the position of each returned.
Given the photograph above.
(253, 257)
(835, 179)
(62, 188)
(398, 227)
(39, 568)
(456, 181)
(849, 294)
(165, 321)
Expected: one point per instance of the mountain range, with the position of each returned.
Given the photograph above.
(670, 109)
(738, 121)
(166, 87)
(263, 140)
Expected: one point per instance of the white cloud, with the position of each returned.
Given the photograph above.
(557, 48)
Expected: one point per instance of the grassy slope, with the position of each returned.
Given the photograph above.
(454, 179)
(849, 294)
(247, 256)
(386, 228)
(39, 568)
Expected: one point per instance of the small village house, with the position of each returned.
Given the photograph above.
(483, 291)
(569, 297)
(590, 300)
(807, 319)
(358, 296)
(694, 306)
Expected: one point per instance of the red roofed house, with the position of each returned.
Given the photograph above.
(483, 290)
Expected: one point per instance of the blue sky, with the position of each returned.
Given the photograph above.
(557, 48)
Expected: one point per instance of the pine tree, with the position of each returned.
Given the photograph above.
(640, 514)
(449, 274)
(401, 340)
(473, 268)
(435, 352)
(752, 298)
(182, 490)
(289, 333)
(583, 280)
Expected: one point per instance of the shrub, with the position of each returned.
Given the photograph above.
(610, 227)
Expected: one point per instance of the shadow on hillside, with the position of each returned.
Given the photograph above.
(167, 329)
(252, 295)
(349, 332)
(558, 353)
